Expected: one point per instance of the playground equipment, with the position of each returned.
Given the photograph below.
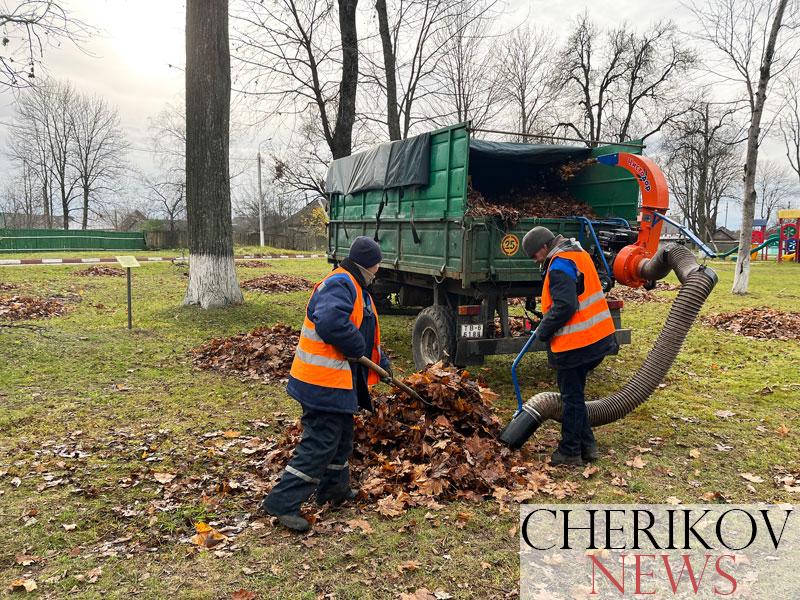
(789, 235)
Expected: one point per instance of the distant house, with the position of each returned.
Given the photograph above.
(724, 235)
(9, 220)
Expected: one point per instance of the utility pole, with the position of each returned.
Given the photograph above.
(726, 213)
(260, 203)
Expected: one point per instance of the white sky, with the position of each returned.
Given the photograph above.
(128, 62)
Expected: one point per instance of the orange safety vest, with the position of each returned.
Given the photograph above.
(322, 364)
(592, 321)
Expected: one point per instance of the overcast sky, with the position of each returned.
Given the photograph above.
(128, 62)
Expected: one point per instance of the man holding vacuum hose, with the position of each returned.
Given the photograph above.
(578, 328)
(340, 323)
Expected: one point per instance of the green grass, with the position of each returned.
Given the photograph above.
(238, 250)
(133, 403)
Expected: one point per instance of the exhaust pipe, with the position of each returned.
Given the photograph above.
(697, 282)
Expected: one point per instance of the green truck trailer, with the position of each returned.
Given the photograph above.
(456, 271)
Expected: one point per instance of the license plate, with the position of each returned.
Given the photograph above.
(472, 331)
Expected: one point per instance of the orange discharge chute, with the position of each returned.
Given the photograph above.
(655, 199)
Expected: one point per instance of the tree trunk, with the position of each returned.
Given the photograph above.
(85, 220)
(64, 204)
(346, 115)
(741, 277)
(392, 114)
(212, 274)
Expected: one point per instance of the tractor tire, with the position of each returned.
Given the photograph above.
(433, 337)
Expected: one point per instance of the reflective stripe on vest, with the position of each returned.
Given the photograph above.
(592, 321)
(320, 363)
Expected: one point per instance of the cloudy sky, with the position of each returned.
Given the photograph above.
(128, 62)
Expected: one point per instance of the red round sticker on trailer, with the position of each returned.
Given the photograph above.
(509, 245)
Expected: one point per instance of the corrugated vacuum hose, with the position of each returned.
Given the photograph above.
(697, 282)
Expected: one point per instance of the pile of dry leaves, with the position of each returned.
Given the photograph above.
(412, 454)
(18, 308)
(516, 204)
(764, 323)
(276, 282)
(571, 169)
(253, 264)
(100, 271)
(7, 287)
(264, 353)
(641, 295)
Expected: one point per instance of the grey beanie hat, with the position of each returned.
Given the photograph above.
(536, 239)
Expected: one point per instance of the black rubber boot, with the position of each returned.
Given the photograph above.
(338, 500)
(590, 453)
(562, 459)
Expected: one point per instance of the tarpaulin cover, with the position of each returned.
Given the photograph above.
(529, 154)
(394, 164)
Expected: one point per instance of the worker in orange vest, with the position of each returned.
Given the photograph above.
(578, 328)
(340, 323)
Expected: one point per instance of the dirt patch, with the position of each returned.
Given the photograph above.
(101, 271)
(264, 353)
(18, 308)
(641, 295)
(277, 283)
(412, 454)
(760, 322)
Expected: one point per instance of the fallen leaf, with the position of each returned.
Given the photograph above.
(420, 594)
(26, 559)
(694, 453)
(636, 463)
(361, 524)
(94, 574)
(724, 414)
(783, 430)
(752, 478)
(70, 527)
(589, 471)
(673, 500)
(243, 595)
(409, 565)
(23, 583)
(163, 477)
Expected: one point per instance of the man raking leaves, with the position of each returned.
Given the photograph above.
(340, 322)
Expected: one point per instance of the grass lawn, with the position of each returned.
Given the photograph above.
(238, 250)
(89, 412)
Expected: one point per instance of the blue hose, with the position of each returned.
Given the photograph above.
(517, 360)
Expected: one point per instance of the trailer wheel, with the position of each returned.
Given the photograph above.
(434, 336)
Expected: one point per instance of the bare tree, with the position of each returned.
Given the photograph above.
(26, 27)
(624, 83)
(99, 148)
(166, 186)
(790, 120)
(170, 199)
(44, 114)
(30, 150)
(775, 184)
(20, 200)
(528, 78)
(469, 78)
(284, 53)
(413, 44)
(212, 273)
(703, 163)
(746, 34)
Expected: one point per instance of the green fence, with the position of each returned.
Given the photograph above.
(43, 240)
